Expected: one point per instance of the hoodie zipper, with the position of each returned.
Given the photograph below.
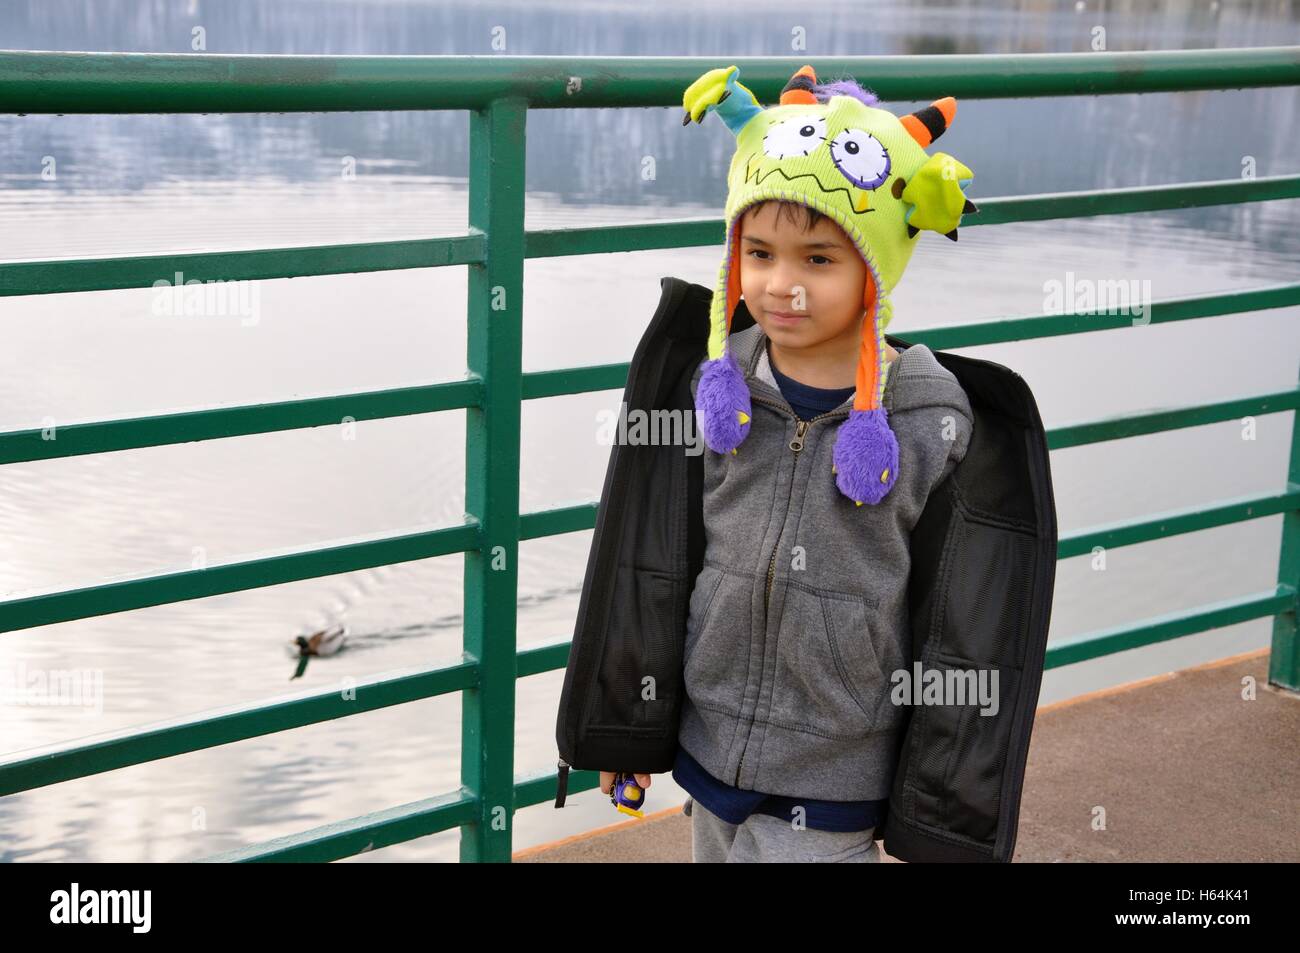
(795, 445)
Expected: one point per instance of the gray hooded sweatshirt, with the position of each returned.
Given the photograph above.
(799, 614)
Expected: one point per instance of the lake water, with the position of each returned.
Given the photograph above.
(153, 184)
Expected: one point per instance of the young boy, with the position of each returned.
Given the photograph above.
(827, 443)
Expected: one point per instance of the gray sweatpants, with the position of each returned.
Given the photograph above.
(765, 839)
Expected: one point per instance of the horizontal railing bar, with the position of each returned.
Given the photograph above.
(83, 82)
(541, 659)
(688, 232)
(540, 787)
(381, 829)
(63, 275)
(1192, 415)
(122, 596)
(213, 423)
(1172, 625)
(634, 236)
(1176, 522)
(1014, 329)
(574, 380)
(1035, 327)
(567, 519)
(1130, 200)
(25, 770)
(358, 835)
(221, 422)
(57, 276)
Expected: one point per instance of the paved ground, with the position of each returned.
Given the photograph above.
(1184, 768)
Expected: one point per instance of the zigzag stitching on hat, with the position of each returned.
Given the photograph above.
(759, 176)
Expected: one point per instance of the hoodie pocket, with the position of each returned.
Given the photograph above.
(828, 678)
(706, 587)
(716, 652)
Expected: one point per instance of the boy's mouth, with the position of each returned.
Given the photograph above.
(787, 317)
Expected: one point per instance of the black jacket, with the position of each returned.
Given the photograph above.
(979, 596)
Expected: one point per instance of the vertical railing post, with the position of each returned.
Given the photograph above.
(496, 207)
(1284, 657)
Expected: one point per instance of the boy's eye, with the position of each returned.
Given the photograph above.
(759, 251)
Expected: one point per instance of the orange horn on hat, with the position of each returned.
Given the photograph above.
(928, 124)
(799, 89)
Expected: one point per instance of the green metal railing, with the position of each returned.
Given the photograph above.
(498, 92)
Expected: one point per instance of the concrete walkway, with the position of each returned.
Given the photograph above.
(1183, 767)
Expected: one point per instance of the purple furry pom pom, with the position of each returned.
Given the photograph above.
(721, 395)
(865, 456)
(844, 87)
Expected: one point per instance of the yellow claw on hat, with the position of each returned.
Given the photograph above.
(857, 502)
(711, 90)
(884, 477)
(742, 416)
(733, 449)
(936, 194)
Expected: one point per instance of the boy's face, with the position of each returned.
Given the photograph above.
(804, 289)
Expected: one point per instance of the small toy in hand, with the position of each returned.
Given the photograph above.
(626, 795)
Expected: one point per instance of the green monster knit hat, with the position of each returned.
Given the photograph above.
(828, 147)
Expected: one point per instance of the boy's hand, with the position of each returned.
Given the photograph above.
(607, 781)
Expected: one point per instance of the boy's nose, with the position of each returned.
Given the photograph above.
(782, 290)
